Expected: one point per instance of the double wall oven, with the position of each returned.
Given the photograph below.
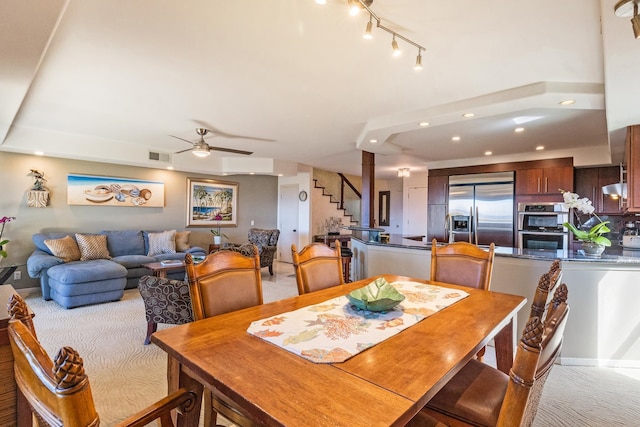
(540, 226)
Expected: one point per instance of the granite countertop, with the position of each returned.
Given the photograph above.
(613, 254)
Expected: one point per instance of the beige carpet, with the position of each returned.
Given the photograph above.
(126, 375)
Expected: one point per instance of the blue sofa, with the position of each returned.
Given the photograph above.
(76, 283)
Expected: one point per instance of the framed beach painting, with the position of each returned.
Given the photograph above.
(90, 190)
(211, 203)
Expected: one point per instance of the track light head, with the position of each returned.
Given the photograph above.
(394, 46)
(367, 33)
(418, 65)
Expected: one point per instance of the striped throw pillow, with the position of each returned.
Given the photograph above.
(65, 248)
(92, 246)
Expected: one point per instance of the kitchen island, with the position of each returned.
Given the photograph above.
(604, 324)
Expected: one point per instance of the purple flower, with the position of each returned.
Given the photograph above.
(6, 219)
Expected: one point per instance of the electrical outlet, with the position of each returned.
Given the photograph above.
(252, 222)
(17, 275)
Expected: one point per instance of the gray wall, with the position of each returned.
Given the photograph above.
(258, 200)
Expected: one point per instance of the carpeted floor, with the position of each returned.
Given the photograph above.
(126, 375)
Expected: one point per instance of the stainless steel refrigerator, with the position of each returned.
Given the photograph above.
(481, 208)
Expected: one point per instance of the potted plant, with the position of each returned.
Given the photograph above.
(3, 221)
(593, 240)
(217, 234)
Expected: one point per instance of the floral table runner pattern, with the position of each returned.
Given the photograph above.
(334, 330)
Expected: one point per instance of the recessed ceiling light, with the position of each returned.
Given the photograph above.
(488, 153)
(39, 153)
(170, 168)
(424, 124)
(373, 141)
(252, 173)
(518, 130)
(468, 115)
(280, 174)
(567, 102)
(540, 147)
(455, 138)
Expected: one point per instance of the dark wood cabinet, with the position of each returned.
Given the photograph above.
(632, 159)
(436, 218)
(589, 183)
(438, 190)
(544, 180)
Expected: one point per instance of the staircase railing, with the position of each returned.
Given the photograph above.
(342, 191)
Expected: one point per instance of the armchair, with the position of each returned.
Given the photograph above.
(267, 243)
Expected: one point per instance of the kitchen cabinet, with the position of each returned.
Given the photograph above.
(632, 159)
(544, 180)
(438, 190)
(589, 183)
(437, 195)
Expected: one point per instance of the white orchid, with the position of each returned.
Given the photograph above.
(584, 205)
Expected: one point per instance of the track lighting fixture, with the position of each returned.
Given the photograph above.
(394, 45)
(365, 4)
(626, 8)
(418, 65)
(367, 33)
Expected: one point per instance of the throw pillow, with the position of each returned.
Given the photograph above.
(65, 248)
(182, 241)
(92, 246)
(162, 243)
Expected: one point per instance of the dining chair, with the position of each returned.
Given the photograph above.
(463, 264)
(480, 395)
(225, 281)
(57, 392)
(317, 267)
(547, 285)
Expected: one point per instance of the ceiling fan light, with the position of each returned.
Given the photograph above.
(200, 151)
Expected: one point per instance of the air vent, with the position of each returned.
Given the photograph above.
(160, 157)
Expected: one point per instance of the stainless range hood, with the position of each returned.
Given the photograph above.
(618, 189)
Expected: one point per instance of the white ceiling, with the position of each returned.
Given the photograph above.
(111, 80)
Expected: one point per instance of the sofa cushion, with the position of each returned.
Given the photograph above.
(65, 248)
(96, 270)
(124, 242)
(92, 246)
(182, 241)
(39, 238)
(162, 243)
(133, 261)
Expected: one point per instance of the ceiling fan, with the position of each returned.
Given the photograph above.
(202, 149)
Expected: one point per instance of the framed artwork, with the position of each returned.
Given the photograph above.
(90, 190)
(384, 205)
(211, 203)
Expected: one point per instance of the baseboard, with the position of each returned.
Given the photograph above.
(602, 363)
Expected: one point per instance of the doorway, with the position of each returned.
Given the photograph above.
(289, 221)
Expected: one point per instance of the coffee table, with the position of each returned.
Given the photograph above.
(160, 270)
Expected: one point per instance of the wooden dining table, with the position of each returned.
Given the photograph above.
(385, 385)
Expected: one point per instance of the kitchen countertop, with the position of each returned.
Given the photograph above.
(613, 254)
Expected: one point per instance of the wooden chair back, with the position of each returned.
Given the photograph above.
(317, 267)
(537, 352)
(225, 281)
(57, 392)
(546, 288)
(462, 263)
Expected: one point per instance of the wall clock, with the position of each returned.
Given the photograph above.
(302, 196)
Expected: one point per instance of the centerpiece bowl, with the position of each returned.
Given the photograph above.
(378, 295)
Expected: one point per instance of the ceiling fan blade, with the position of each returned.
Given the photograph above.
(230, 150)
(217, 132)
(183, 151)
(182, 139)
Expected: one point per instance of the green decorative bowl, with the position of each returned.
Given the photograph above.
(376, 296)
